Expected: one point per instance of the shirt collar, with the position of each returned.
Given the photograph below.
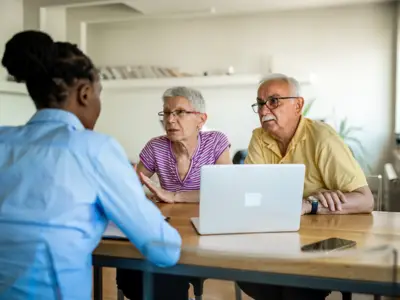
(299, 135)
(57, 116)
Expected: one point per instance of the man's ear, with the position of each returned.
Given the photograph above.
(85, 93)
(299, 104)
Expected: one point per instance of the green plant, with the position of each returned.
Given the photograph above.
(347, 133)
(307, 107)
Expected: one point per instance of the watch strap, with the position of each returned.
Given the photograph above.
(314, 207)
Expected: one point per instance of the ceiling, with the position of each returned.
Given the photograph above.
(115, 10)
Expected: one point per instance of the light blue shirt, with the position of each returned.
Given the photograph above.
(59, 186)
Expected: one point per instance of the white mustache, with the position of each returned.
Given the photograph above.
(268, 118)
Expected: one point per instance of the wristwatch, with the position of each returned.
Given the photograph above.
(314, 204)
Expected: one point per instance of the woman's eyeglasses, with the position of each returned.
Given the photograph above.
(164, 115)
(271, 102)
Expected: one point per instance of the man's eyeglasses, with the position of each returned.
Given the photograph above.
(271, 103)
(164, 115)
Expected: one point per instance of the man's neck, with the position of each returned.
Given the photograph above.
(185, 148)
(286, 136)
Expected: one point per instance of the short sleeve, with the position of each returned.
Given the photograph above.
(338, 167)
(221, 144)
(254, 151)
(147, 156)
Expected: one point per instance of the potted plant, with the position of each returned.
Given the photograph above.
(347, 133)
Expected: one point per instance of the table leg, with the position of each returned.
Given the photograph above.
(97, 283)
(147, 285)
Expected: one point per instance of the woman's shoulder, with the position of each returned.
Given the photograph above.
(213, 136)
(157, 143)
(215, 141)
(158, 140)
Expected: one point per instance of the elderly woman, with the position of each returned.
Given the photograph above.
(176, 158)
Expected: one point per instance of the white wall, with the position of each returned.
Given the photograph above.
(350, 51)
(14, 109)
(11, 21)
(397, 121)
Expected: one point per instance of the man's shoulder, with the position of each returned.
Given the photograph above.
(320, 131)
(258, 132)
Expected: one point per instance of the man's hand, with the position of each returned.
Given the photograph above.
(158, 193)
(331, 200)
(306, 207)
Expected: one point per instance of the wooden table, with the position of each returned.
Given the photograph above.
(275, 258)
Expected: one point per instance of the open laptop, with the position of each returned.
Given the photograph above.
(250, 198)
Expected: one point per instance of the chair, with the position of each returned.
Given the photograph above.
(375, 183)
(197, 284)
(120, 295)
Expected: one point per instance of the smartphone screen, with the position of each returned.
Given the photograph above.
(330, 244)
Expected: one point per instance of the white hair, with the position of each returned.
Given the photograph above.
(292, 82)
(194, 96)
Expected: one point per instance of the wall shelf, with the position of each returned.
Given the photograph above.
(204, 81)
(15, 88)
(248, 80)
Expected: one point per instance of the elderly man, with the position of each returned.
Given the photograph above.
(334, 182)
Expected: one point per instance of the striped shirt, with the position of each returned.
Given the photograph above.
(157, 157)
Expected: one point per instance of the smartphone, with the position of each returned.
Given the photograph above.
(331, 244)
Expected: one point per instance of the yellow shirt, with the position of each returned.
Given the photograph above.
(328, 160)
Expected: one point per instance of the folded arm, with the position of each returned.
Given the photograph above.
(347, 191)
(358, 201)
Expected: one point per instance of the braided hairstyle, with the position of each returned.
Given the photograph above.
(48, 68)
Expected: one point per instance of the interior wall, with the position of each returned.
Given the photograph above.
(349, 51)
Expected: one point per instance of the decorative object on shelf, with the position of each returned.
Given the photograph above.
(139, 72)
(231, 71)
(10, 78)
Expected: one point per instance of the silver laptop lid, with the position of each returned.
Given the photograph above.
(251, 198)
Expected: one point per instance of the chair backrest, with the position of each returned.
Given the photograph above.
(239, 157)
(375, 183)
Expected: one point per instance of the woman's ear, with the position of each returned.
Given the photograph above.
(85, 94)
(203, 119)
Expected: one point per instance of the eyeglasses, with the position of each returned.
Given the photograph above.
(271, 103)
(164, 115)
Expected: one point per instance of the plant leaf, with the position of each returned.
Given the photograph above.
(308, 107)
(342, 126)
(351, 129)
(357, 142)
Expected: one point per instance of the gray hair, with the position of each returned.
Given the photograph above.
(194, 97)
(292, 82)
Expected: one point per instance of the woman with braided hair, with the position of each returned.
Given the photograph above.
(61, 183)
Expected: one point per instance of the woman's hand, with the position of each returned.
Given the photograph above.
(158, 193)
